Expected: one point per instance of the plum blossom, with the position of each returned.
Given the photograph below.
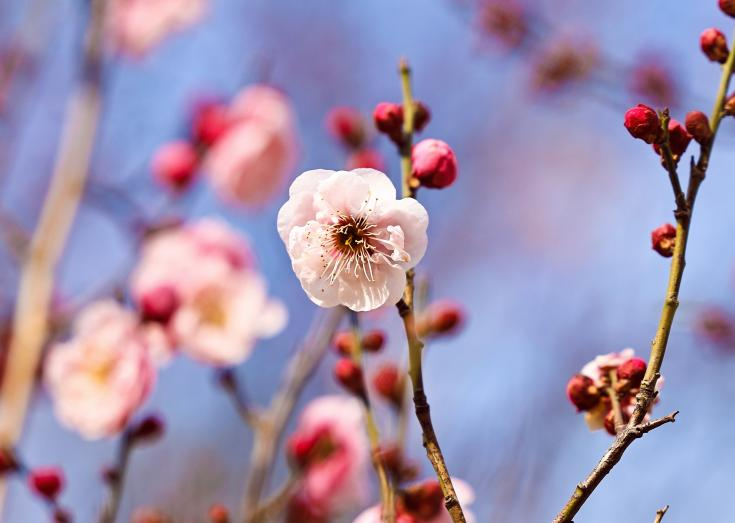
(137, 26)
(331, 449)
(99, 377)
(350, 240)
(251, 160)
(221, 304)
(424, 503)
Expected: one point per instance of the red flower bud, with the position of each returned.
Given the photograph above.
(714, 45)
(679, 139)
(210, 121)
(366, 158)
(633, 371)
(642, 122)
(388, 118)
(61, 515)
(663, 240)
(425, 500)
(388, 383)
(697, 125)
(442, 317)
(175, 165)
(218, 514)
(46, 482)
(395, 463)
(728, 7)
(434, 164)
(582, 392)
(149, 428)
(610, 423)
(346, 125)
(8, 462)
(158, 304)
(729, 107)
(373, 340)
(421, 117)
(349, 375)
(344, 343)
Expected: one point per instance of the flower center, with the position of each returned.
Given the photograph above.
(349, 243)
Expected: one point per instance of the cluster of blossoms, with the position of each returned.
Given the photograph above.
(616, 376)
(247, 148)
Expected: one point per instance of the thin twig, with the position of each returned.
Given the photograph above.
(660, 514)
(671, 301)
(269, 433)
(612, 392)
(250, 414)
(116, 479)
(271, 507)
(405, 309)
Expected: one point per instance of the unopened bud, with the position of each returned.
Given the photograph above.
(425, 500)
(346, 125)
(643, 123)
(388, 118)
(697, 125)
(421, 117)
(434, 164)
(175, 164)
(663, 240)
(367, 159)
(388, 383)
(148, 429)
(46, 482)
(210, 121)
(349, 375)
(158, 304)
(218, 514)
(728, 7)
(582, 392)
(633, 371)
(679, 139)
(714, 45)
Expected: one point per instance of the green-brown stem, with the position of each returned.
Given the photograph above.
(647, 393)
(612, 392)
(117, 480)
(660, 514)
(405, 309)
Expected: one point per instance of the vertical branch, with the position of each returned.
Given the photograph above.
(116, 480)
(31, 315)
(405, 309)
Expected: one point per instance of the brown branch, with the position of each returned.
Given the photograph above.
(660, 514)
(116, 479)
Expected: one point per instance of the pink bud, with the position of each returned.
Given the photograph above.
(663, 240)
(175, 164)
(346, 125)
(728, 7)
(643, 123)
(443, 317)
(218, 514)
(633, 371)
(46, 482)
(582, 392)
(714, 45)
(388, 118)
(388, 383)
(158, 304)
(349, 375)
(149, 428)
(211, 121)
(425, 500)
(679, 139)
(434, 164)
(697, 125)
(421, 117)
(366, 158)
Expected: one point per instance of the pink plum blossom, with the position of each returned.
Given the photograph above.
(250, 162)
(137, 26)
(350, 240)
(99, 377)
(330, 447)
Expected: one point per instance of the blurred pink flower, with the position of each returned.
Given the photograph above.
(137, 26)
(430, 509)
(99, 377)
(331, 447)
(251, 161)
(349, 239)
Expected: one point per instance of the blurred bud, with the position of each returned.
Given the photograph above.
(301, 509)
(434, 164)
(633, 371)
(651, 80)
(610, 423)
(643, 123)
(8, 461)
(349, 375)
(421, 117)
(714, 45)
(158, 304)
(582, 392)
(697, 124)
(218, 514)
(728, 7)
(175, 164)
(679, 139)
(148, 429)
(716, 326)
(210, 121)
(46, 482)
(366, 158)
(396, 464)
(344, 343)
(373, 341)
(346, 125)
(110, 474)
(442, 317)
(388, 118)
(388, 383)
(149, 515)
(563, 64)
(505, 21)
(663, 240)
(425, 500)
(61, 515)
(729, 107)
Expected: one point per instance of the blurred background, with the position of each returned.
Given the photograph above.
(544, 239)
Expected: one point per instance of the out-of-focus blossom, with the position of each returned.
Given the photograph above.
(331, 449)
(697, 124)
(643, 123)
(349, 374)
(679, 139)
(663, 240)
(652, 80)
(582, 392)
(424, 503)
(137, 26)
(251, 161)
(367, 159)
(716, 326)
(434, 164)
(505, 21)
(349, 239)
(441, 318)
(562, 64)
(99, 377)
(388, 382)
(175, 164)
(149, 515)
(218, 513)
(714, 45)
(210, 120)
(347, 126)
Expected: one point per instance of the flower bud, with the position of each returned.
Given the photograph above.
(175, 165)
(697, 124)
(729, 107)
(728, 7)
(218, 514)
(425, 500)
(346, 125)
(344, 343)
(8, 462)
(396, 464)
(388, 118)
(421, 117)
(679, 139)
(366, 158)
(158, 304)
(582, 392)
(349, 375)
(716, 326)
(610, 423)
(434, 164)
(373, 340)
(210, 121)
(663, 240)
(633, 371)
(442, 317)
(643, 123)
(46, 482)
(714, 45)
(149, 515)
(61, 515)
(148, 429)
(388, 383)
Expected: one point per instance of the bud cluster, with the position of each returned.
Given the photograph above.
(348, 127)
